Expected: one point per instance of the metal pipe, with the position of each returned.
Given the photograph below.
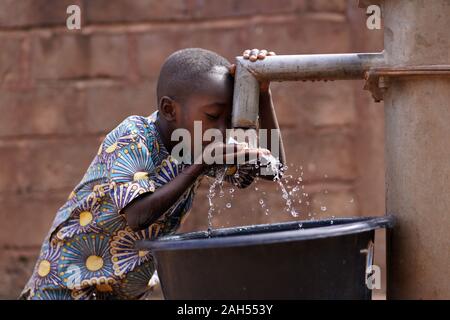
(417, 131)
(292, 68)
(245, 99)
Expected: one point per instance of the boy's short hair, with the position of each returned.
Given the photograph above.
(185, 70)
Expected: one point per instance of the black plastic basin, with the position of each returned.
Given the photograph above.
(321, 259)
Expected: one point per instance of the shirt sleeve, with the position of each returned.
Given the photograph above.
(131, 164)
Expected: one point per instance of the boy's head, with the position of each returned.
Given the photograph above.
(195, 85)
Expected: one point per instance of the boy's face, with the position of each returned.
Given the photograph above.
(212, 105)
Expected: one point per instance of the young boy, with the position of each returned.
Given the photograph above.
(134, 189)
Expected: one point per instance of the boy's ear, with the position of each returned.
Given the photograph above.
(167, 108)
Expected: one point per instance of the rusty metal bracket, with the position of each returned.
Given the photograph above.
(378, 79)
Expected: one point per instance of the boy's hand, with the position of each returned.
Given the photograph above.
(236, 152)
(254, 55)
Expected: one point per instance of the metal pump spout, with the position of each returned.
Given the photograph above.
(292, 68)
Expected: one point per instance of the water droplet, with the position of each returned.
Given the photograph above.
(211, 194)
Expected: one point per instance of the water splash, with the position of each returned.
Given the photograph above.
(220, 174)
(292, 189)
(272, 166)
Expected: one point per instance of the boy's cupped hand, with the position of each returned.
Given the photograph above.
(255, 55)
(233, 152)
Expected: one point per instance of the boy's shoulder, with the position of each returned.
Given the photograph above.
(136, 123)
(140, 127)
(133, 130)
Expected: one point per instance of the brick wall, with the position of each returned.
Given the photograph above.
(61, 91)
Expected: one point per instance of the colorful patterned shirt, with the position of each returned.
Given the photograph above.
(89, 252)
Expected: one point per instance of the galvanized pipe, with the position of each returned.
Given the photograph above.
(292, 68)
(417, 132)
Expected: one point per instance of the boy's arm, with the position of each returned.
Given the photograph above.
(268, 120)
(146, 209)
(267, 116)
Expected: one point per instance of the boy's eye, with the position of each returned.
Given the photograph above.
(212, 116)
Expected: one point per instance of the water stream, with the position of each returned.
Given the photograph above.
(291, 188)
